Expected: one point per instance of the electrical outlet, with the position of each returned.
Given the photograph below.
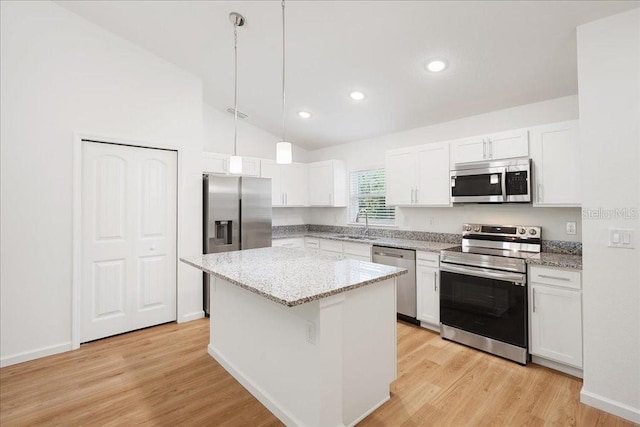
(310, 332)
(571, 227)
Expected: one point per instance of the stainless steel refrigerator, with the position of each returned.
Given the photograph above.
(236, 216)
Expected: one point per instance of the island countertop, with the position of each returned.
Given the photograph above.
(291, 276)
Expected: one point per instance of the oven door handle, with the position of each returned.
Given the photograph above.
(518, 278)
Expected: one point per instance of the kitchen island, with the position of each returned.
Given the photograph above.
(312, 337)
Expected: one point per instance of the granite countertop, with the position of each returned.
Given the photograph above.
(417, 245)
(292, 276)
(548, 259)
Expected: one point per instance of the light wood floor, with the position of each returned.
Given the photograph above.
(163, 376)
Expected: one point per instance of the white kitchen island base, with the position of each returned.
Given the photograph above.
(327, 362)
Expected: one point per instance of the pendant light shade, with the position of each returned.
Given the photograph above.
(235, 161)
(235, 164)
(283, 149)
(283, 153)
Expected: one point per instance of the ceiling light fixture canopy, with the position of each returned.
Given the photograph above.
(235, 161)
(283, 148)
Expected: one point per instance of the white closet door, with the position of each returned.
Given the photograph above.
(129, 203)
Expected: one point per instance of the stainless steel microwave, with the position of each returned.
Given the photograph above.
(501, 181)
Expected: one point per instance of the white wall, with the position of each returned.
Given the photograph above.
(252, 141)
(60, 75)
(370, 154)
(609, 86)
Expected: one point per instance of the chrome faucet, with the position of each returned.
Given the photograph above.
(366, 220)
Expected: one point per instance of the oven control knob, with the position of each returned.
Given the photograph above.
(467, 228)
(522, 231)
(533, 232)
(476, 229)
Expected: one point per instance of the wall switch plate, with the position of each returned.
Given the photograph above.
(571, 227)
(621, 238)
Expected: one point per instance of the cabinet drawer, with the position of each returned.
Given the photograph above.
(428, 259)
(357, 249)
(331, 246)
(288, 243)
(555, 276)
(312, 243)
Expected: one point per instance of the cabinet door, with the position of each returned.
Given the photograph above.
(556, 324)
(250, 166)
(505, 145)
(321, 183)
(465, 150)
(401, 177)
(428, 294)
(214, 163)
(295, 186)
(433, 186)
(556, 159)
(270, 169)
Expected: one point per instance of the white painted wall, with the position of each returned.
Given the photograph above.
(609, 86)
(62, 74)
(252, 141)
(369, 153)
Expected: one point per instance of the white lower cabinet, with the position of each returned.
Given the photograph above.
(428, 289)
(295, 242)
(312, 244)
(555, 315)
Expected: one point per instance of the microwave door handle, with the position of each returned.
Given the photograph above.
(504, 184)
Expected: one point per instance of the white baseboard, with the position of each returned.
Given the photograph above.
(366, 414)
(257, 392)
(35, 354)
(611, 406)
(191, 316)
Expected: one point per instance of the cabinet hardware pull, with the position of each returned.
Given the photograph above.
(484, 149)
(540, 192)
(566, 279)
(416, 196)
(490, 143)
(534, 299)
(435, 281)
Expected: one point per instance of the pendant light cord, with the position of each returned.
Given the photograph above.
(283, 74)
(235, 86)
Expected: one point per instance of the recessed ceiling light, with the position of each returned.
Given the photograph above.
(356, 95)
(436, 65)
(304, 114)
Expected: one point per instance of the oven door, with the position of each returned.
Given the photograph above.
(486, 185)
(485, 302)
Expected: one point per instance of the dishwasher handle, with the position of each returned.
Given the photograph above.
(392, 255)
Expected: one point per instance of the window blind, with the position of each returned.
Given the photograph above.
(367, 192)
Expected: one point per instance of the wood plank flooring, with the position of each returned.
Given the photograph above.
(163, 376)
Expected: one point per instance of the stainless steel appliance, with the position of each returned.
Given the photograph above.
(503, 181)
(236, 215)
(405, 284)
(483, 289)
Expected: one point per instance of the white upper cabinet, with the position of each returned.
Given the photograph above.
(401, 177)
(433, 175)
(289, 183)
(327, 183)
(555, 152)
(219, 163)
(418, 176)
(497, 146)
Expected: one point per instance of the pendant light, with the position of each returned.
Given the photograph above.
(283, 149)
(235, 161)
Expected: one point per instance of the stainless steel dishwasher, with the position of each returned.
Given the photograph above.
(405, 284)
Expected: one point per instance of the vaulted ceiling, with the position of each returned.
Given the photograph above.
(500, 54)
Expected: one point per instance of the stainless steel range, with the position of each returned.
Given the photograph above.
(483, 288)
